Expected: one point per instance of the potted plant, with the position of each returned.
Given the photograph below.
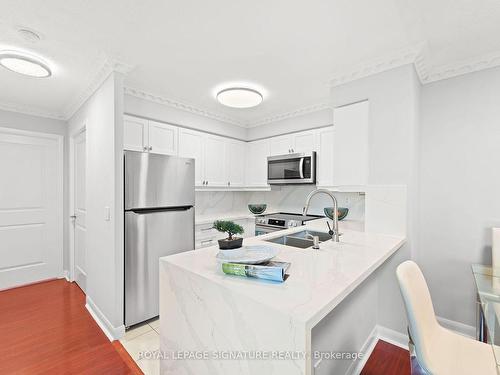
(231, 229)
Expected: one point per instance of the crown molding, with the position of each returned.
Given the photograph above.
(418, 55)
(32, 111)
(105, 67)
(464, 67)
(403, 56)
(182, 106)
(286, 115)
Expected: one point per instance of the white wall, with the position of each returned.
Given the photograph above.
(164, 113)
(316, 119)
(460, 185)
(394, 98)
(49, 126)
(102, 115)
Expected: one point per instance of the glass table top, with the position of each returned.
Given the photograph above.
(487, 281)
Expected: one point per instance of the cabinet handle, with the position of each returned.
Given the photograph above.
(150, 148)
(206, 241)
(145, 148)
(205, 229)
(207, 182)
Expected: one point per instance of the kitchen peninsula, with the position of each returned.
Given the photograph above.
(204, 312)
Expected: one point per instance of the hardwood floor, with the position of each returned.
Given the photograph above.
(387, 359)
(45, 329)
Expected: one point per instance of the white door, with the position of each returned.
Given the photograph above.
(235, 167)
(31, 196)
(215, 161)
(350, 163)
(135, 133)
(162, 138)
(256, 163)
(80, 229)
(324, 166)
(305, 142)
(191, 146)
(281, 145)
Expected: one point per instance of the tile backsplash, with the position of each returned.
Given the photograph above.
(280, 198)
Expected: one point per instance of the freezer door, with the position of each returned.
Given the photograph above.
(150, 235)
(158, 180)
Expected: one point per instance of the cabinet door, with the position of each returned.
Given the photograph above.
(215, 161)
(350, 162)
(163, 138)
(305, 141)
(191, 145)
(281, 145)
(235, 163)
(324, 166)
(256, 170)
(135, 133)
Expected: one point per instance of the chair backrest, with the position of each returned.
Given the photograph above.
(421, 317)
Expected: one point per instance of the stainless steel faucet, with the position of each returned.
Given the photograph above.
(335, 234)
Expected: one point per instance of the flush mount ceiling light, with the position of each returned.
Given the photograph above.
(239, 97)
(23, 64)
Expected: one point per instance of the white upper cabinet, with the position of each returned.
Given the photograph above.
(281, 145)
(163, 138)
(350, 151)
(293, 143)
(149, 136)
(235, 163)
(191, 145)
(135, 133)
(324, 169)
(215, 161)
(256, 163)
(305, 142)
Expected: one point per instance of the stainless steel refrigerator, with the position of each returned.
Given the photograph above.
(159, 221)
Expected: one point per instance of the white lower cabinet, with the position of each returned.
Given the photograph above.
(206, 236)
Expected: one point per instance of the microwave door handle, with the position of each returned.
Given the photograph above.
(301, 168)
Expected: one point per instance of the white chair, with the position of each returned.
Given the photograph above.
(438, 350)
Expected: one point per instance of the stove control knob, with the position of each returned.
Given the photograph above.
(292, 224)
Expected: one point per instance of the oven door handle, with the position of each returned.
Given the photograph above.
(301, 168)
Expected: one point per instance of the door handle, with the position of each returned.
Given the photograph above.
(73, 217)
(301, 167)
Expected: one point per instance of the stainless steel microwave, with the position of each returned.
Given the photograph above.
(292, 169)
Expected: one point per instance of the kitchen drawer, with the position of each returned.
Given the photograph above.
(205, 230)
(205, 242)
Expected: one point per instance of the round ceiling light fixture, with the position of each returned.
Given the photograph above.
(239, 97)
(24, 64)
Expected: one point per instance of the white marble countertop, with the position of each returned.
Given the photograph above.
(319, 279)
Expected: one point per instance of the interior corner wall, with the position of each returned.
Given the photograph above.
(45, 125)
(102, 115)
(394, 97)
(459, 186)
(164, 113)
(312, 120)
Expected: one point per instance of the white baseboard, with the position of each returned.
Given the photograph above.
(461, 328)
(111, 332)
(65, 275)
(367, 350)
(392, 337)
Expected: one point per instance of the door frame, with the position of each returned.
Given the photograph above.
(60, 185)
(71, 205)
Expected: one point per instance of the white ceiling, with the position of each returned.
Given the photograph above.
(183, 50)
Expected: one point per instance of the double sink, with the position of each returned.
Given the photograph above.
(300, 239)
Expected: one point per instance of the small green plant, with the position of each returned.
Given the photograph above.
(229, 227)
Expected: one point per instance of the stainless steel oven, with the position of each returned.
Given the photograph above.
(292, 169)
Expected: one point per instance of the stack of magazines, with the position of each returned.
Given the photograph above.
(274, 271)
